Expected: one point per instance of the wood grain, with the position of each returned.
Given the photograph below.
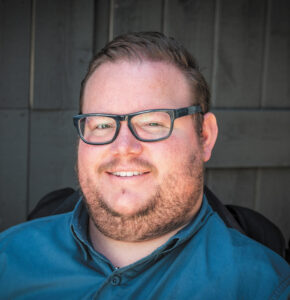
(63, 48)
(233, 186)
(53, 153)
(137, 15)
(13, 166)
(277, 63)
(252, 138)
(15, 22)
(192, 24)
(240, 51)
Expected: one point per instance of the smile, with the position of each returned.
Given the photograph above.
(127, 174)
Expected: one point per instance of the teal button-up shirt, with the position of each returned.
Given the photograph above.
(53, 258)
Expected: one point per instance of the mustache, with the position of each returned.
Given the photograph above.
(132, 163)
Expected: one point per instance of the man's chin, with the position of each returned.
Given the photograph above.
(126, 207)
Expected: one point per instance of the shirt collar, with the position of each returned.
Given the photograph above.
(79, 226)
(190, 229)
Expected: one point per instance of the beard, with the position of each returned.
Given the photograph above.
(174, 203)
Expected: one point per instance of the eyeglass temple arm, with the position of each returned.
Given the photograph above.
(187, 111)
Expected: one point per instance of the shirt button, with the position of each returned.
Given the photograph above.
(115, 280)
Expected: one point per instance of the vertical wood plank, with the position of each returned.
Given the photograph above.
(102, 24)
(137, 15)
(277, 92)
(273, 197)
(13, 166)
(192, 23)
(233, 186)
(52, 153)
(63, 48)
(14, 53)
(240, 53)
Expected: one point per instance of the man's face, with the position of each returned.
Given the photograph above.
(167, 191)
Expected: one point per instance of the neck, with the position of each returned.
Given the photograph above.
(122, 253)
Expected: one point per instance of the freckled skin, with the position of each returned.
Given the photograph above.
(170, 193)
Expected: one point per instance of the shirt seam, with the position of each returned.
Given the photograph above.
(280, 289)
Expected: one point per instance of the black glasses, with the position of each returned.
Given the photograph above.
(146, 126)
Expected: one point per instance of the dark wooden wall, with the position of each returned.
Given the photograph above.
(243, 48)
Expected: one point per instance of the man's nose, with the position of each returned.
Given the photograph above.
(126, 143)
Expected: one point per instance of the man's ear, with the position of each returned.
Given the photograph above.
(209, 135)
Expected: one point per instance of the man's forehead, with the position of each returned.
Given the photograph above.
(141, 83)
(107, 69)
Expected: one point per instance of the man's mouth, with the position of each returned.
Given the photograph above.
(128, 173)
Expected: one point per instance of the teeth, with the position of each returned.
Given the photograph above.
(127, 174)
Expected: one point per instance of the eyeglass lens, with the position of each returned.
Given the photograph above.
(147, 126)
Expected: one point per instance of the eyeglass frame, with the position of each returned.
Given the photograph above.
(173, 113)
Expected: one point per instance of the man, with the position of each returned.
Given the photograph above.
(143, 228)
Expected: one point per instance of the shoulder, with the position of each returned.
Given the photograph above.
(246, 260)
(238, 245)
(265, 269)
(33, 252)
(35, 232)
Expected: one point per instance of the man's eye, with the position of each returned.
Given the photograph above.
(103, 126)
(153, 124)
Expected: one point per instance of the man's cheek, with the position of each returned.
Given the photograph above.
(171, 151)
(87, 154)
